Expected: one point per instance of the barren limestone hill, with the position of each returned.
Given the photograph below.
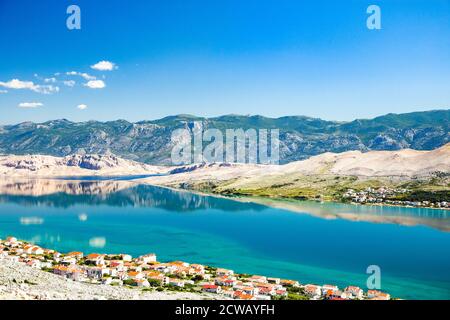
(320, 174)
(72, 165)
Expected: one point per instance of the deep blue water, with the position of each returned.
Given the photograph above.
(112, 218)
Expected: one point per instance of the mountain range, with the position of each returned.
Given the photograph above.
(300, 137)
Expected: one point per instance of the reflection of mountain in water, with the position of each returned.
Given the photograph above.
(60, 193)
(66, 193)
(435, 218)
(39, 187)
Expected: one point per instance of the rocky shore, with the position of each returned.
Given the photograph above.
(20, 282)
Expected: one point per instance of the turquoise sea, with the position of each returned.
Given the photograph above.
(307, 241)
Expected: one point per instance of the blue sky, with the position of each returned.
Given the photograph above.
(275, 58)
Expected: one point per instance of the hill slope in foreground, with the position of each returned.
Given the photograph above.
(21, 282)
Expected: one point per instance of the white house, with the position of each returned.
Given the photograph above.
(176, 282)
(312, 290)
(356, 292)
(148, 258)
(212, 288)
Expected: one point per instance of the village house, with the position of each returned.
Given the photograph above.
(356, 292)
(135, 275)
(56, 256)
(181, 271)
(11, 241)
(68, 260)
(118, 265)
(72, 272)
(326, 288)
(148, 258)
(112, 272)
(164, 267)
(224, 272)
(313, 291)
(126, 257)
(176, 282)
(281, 292)
(196, 269)
(378, 295)
(158, 277)
(289, 283)
(227, 292)
(95, 258)
(179, 264)
(96, 272)
(34, 263)
(274, 280)
(243, 296)
(226, 281)
(122, 275)
(260, 279)
(212, 288)
(141, 282)
(266, 291)
(267, 288)
(25, 249)
(132, 267)
(247, 289)
(76, 255)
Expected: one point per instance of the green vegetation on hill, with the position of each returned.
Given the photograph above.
(300, 137)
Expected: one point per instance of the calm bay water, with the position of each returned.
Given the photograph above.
(310, 242)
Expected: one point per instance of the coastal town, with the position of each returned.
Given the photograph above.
(386, 195)
(146, 273)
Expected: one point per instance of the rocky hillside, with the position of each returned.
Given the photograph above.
(328, 174)
(20, 282)
(301, 137)
(72, 165)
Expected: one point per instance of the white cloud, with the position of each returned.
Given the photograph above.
(30, 104)
(3, 91)
(95, 84)
(47, 89)
(17, 84)
(69, 83)
(84, 75)
(82, 106)
(52, 80)
(104, 66)
(87, 76)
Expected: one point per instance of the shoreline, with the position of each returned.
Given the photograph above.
(255, 198)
